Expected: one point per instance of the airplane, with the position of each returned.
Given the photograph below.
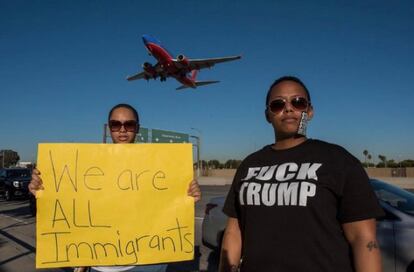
(184, 70)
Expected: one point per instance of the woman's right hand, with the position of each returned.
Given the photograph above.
(36, 183)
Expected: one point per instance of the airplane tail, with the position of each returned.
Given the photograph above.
(198, 83)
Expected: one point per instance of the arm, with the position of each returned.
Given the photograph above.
(365, 250)
(194, 190)
(231, 247)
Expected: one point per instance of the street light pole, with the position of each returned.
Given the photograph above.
(104, 133)
(199, 160)
(198, 154)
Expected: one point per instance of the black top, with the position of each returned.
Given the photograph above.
(291, 203)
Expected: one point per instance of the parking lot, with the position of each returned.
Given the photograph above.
(18, 243)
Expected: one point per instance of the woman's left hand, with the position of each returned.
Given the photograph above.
(194, 190)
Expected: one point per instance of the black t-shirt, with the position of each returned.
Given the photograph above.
(290, 205)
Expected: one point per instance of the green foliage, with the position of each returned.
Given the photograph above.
(8, 158)
(407, 163)
(214, 164)
(368, 164)
(232, 164)
(384, 162)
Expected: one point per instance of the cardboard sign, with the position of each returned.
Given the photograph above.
(114, 204)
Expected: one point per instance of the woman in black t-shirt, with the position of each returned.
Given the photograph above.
(299, 204)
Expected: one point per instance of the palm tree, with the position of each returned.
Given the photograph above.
(383, 159)
(369, 159)
(365, 154)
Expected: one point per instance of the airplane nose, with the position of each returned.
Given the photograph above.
(145, 39)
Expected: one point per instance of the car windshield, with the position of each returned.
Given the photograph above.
(23, 173)
(394, 196)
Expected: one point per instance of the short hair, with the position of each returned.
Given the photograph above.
(287, 78)
(127, 106)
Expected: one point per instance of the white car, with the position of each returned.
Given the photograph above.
(395, 231)
(214, 223)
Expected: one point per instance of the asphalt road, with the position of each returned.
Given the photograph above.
(17, 237)
(18, 242)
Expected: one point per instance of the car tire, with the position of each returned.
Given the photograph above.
(8, 195)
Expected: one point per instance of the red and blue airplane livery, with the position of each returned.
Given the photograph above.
(182, 69)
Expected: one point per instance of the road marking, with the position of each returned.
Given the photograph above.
(199, 218)
(15, 219)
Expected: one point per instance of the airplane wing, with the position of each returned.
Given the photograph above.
(136, 76)
(154, 72)
(197, 64)
(198, 83)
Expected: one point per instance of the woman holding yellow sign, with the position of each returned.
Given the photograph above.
(123, 121)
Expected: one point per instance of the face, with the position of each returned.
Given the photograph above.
(286, 120)
(123, 135)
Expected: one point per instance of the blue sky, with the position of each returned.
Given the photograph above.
(63, 66)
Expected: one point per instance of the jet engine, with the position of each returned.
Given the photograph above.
(149, 69)
(183, 60)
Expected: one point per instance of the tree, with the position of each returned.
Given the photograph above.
(407, 163)
(383, 160)
(214, 164)
(392, 164)
(366, 155)
(232, 164)
(368, 162)
(8, 158)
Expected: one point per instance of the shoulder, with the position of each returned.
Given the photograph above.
(330, 147)
(326, 145)
(334, 151)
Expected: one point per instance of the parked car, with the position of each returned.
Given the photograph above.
(14, 182)
(395, 231)
(214, 223)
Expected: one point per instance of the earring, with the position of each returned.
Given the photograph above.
(303, 124)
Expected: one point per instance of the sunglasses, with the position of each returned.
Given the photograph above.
(298, 103)
(130, 125)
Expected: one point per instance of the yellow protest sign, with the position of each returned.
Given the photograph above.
(114, 204)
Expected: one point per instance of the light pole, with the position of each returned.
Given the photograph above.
(198, 153)
(199, 160)
(4, 154)
(104, 133)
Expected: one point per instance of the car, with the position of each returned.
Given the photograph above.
(395, 230)
(214, 223)
(14, 182)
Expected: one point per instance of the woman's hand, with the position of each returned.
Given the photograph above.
(36, 183)
(194, 190)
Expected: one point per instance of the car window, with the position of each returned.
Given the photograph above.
(24, 173)
(388, 216)
(396, 197)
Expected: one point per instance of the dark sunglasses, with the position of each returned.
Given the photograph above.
(299, 103)
(130, 125)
